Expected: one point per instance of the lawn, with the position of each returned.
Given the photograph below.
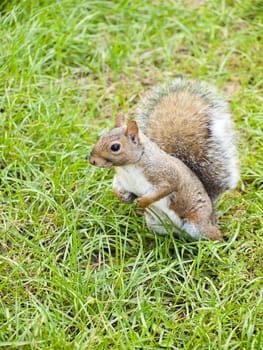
(78, 269)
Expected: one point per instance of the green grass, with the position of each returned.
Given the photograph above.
(78, 269)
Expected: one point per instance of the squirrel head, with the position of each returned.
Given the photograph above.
(120, 146)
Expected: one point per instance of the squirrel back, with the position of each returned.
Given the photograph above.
(189, 120)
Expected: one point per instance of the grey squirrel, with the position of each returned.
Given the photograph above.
(175, 158)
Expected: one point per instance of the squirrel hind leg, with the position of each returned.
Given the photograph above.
(207, 227)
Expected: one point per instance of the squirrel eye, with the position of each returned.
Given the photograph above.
(115, 147)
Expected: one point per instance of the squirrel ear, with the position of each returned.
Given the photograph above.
(132, 131)
(120, 119)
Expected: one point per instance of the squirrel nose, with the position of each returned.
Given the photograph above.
(91, 160)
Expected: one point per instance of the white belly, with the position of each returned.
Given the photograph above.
(134, 181)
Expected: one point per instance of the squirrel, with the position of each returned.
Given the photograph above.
(175, 158)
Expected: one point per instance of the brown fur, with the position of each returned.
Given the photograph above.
(102, 155)
(169, 126)
(168, 176)
(182, 118)
(206, 224)
(161, 192)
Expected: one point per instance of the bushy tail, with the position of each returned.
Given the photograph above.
(191, 121)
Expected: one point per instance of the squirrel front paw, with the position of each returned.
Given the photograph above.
(125, 197)
(128, 197)
(144, 202)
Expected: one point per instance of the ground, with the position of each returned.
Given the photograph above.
(78, 269)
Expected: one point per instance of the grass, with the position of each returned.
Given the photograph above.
(79, 270)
